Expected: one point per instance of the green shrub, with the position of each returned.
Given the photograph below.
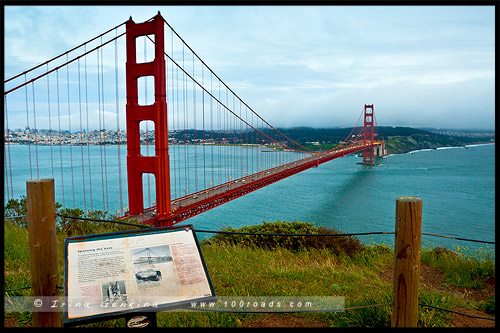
(16, 207)
(66, 225)
(74, 227)
(348, 245)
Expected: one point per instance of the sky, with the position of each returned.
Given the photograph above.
(423, 66)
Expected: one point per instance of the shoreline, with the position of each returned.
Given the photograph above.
(440, 148)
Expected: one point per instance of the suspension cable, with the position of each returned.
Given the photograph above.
(61, 66)
(230, 88)
(65, 53)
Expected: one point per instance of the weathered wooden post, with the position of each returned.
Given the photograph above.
(40, 202)
(407, 247)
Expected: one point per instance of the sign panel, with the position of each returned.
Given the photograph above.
(109, 275)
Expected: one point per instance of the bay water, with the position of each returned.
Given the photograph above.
(457, 186)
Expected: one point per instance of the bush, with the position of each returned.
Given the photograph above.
(17, 208)
(76, 227)
(66, 225)
(348, 245)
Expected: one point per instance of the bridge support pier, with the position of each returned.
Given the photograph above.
(380, 151)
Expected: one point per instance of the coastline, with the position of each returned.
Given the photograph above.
(439, 148)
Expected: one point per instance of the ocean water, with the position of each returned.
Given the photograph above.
(457, 187)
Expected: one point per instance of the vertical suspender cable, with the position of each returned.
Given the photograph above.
(224, 148)
(203, 127)
(194, 136)
(36, 139)
(169, 111)
(226, 135)
(88, 130)
(81, 137)
(60, 138)
(169, 120)
(50, 124)
(7, 142)
(178, 135)
(70, 141)
(172, 110)
(220, 139)
(117, 99)
(5, 166)
(257, 142)
(241, 149)
(184, 107)
(177, 127)
(8, 146)
(100, 130)
(211, 132)
(246, 140)
(28, 126)
(252, 130)
(104, 127)
(235, 152)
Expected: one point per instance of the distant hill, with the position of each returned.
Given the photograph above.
(398, 139)
(333, 135)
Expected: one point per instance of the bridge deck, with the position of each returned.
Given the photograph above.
(196, 203)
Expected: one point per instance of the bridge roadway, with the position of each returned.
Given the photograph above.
(196, 203)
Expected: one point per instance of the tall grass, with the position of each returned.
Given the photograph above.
(16, 254)
(273, 266)
(463, 268)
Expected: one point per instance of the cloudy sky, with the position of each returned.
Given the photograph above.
(308, 65)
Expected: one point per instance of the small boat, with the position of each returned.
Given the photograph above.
(267, 150)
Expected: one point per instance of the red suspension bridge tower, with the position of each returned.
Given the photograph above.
(137, 164)
(377, 148)
(368, 134)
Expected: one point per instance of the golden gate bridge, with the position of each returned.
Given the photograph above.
(188, 134)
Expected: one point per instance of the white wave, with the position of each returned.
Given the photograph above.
(479, 144)
(419, 150)
(441, 148)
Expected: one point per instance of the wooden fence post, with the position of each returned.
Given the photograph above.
(407, 248)
(40, 203)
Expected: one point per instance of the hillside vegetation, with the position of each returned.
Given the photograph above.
(249, 265)
(398, 139)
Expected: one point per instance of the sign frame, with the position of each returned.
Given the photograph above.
(113, 236)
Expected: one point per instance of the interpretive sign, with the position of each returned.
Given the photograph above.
(110, 275)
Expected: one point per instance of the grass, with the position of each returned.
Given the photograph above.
(241, 266)
(463, 268)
